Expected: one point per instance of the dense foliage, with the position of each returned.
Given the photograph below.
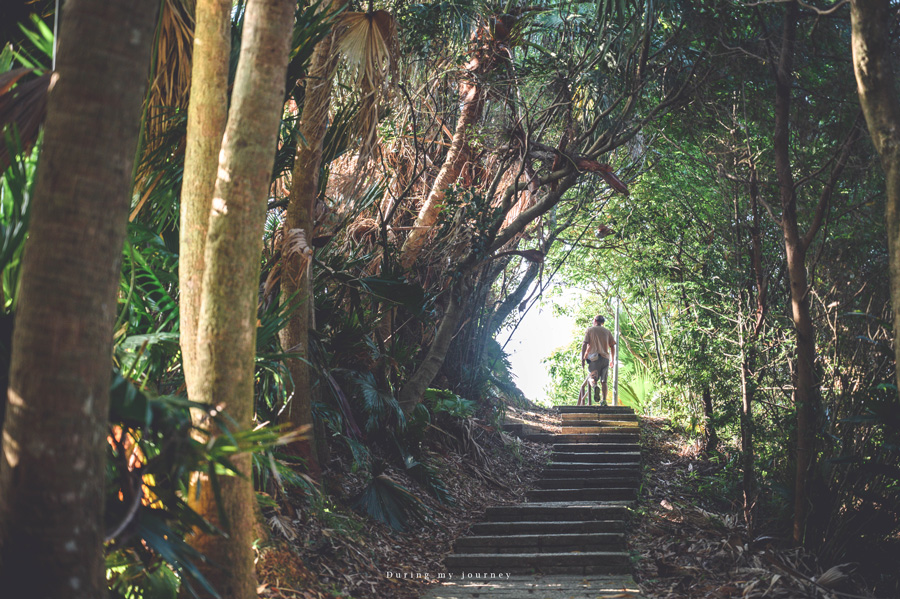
(620, 148)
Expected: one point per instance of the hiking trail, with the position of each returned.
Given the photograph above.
(568, 538)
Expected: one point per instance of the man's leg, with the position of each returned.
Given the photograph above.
(592, 379)
(602, 372)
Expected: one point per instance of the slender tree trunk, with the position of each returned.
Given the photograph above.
(756, 287)
(296, 286)
(471, 94)
(746, 420)
(471, 98)
(207, 114)
(871, 22)
(53, 467)
(226, 332)
(805, 390)
(513, 300)
(414, 389)
(710, 435)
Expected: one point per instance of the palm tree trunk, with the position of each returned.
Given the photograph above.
(207, 114)
(53, 466)
(296, 286)
(226, 330)
(871, 21)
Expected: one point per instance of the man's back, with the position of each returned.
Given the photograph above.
(598, 339)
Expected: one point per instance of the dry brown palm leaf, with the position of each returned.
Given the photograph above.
(172, 80)
(368, 42)
(22, 104)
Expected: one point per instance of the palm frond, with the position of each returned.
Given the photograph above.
(16, 186)
(172, 81)
(22, 107)
(386, 500)
(368, 42)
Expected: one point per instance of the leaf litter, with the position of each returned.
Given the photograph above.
(690, 547)
(319, 549)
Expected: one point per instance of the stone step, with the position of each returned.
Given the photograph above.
(583, 438)
(556, 512)
(587, 562)
(597, 447)
(610, 457)
(584, 494)
(598, 430)
(530, 527)
(591, 482)
(604, 422)
(595, 409)
(569, 416)
(552, 543)
(580, 470)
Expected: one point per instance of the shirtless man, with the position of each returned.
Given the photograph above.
(597, 349)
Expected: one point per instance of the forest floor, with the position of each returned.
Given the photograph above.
(691, 541)
(688, 540)
(323, 548)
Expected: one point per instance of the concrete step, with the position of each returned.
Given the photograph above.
(609, 457)
(591, 482)
(581, 470)
(598, 430)
(556, 512)
(587, 562)
(492, 585)
(601, 421)
(584, 494)
(569, 416)
(597, 447)
(530, 527)
(582, 438)
(595, 409)
(553, 543)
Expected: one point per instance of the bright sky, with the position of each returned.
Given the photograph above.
(538, 335)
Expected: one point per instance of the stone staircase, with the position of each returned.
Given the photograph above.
(574, 521)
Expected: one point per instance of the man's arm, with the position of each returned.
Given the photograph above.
(584, 345)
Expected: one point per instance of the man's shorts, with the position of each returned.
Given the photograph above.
(599, 369)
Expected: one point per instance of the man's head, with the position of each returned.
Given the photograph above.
(599, 320)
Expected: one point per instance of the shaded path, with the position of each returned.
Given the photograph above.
(568, 539)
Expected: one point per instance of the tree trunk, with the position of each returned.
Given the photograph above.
(805, 391)
(207, 114)
(513, 300)
(748, 339)
(711, 438)
(296, 286)
(746, 419)
(414, 389)
(471, 99)
(226, 334)
(53, 468)
(871, 21)
(471, 95)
